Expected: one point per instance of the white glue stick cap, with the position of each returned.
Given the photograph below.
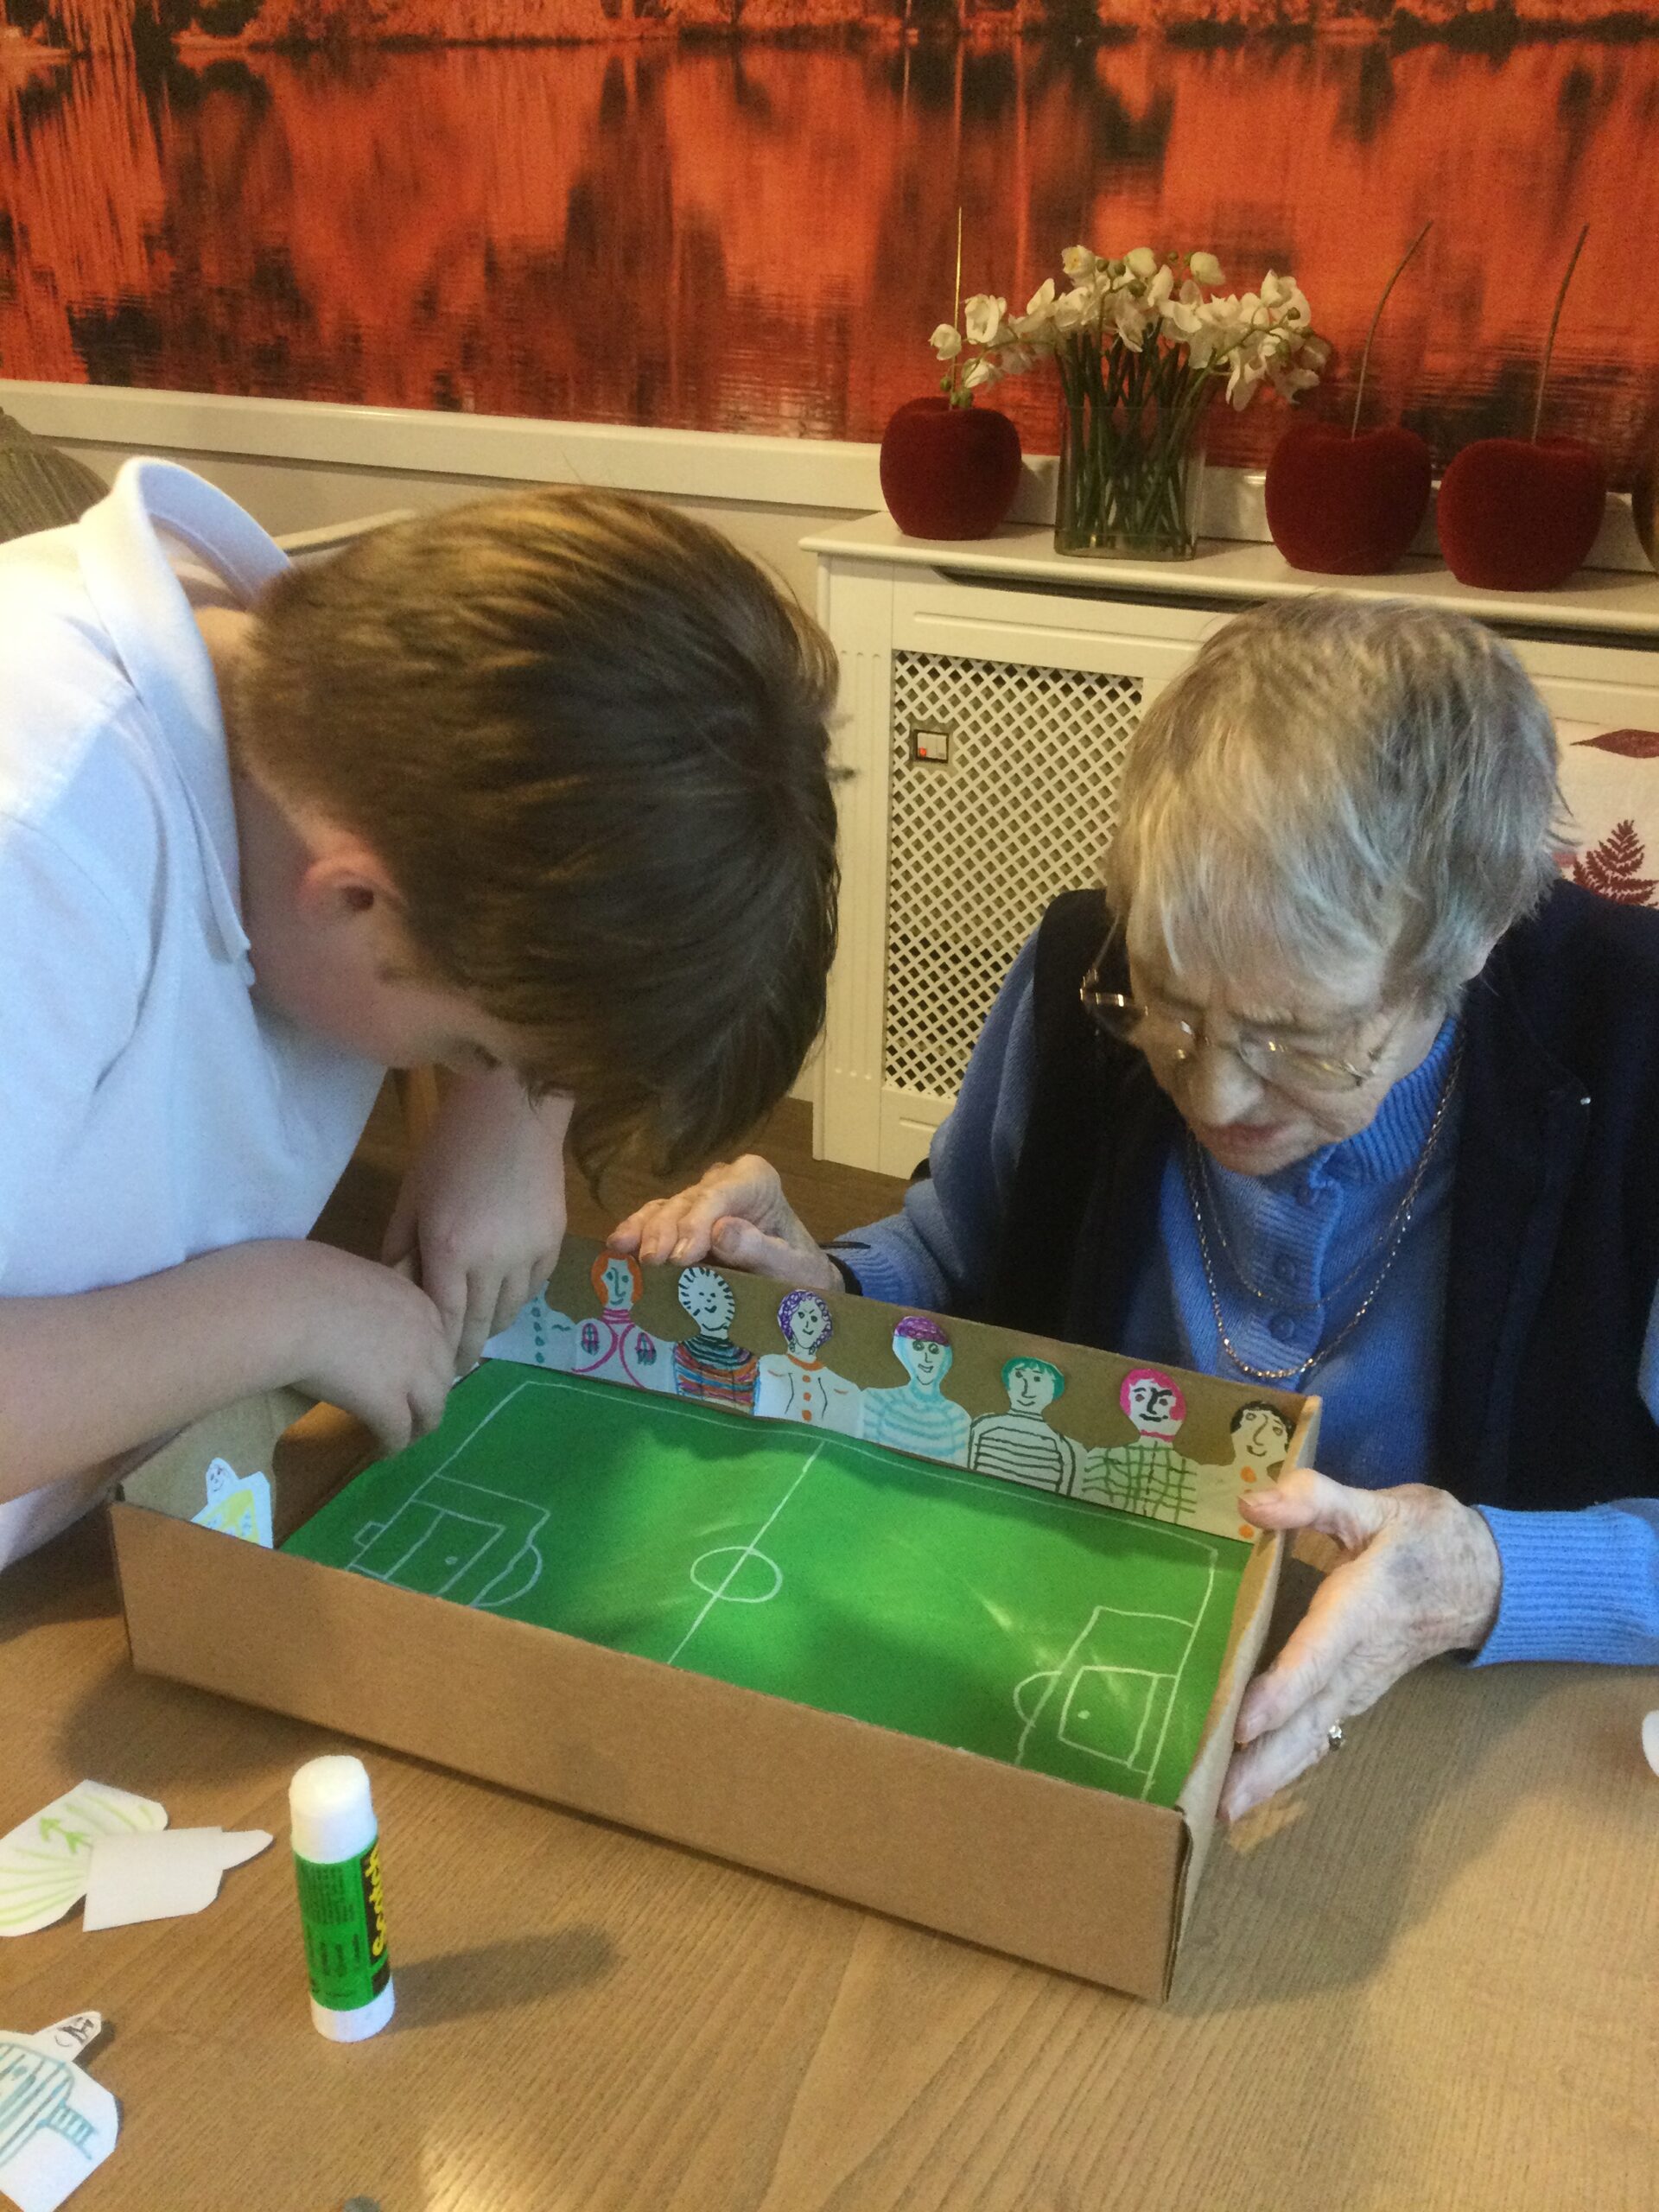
(330, 1810)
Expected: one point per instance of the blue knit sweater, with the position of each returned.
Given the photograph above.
(1576, 1586)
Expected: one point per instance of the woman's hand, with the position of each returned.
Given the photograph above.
(1421, 1576)
(739, 1213)
(480, 1217)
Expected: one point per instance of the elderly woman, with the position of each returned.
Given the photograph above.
(1342, 1089)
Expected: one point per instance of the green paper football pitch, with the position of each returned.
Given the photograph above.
(1058, 1635)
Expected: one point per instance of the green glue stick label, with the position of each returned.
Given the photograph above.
(343, 1917)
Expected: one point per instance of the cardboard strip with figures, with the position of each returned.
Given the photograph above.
(1028, 1550)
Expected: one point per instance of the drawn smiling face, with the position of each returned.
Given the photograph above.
(1030, 1387)
(709, 1299)
(1261, 1438)
(926, 1360)
(809, 1324)
(616, 1277)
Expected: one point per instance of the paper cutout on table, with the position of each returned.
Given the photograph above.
(238, 1504)
(57, 2125)
(612, 1348)
(708, 1367)
(163, 1874)
(917, 1416)
(796, 1385)
(1650, 1740)
(1019, 1445)
(45, 1860)
(1149, 1475)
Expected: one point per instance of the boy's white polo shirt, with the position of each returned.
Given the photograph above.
(151, 1109)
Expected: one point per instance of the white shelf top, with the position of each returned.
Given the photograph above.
(1600, 599)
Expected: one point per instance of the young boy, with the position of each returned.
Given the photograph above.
(535, 789)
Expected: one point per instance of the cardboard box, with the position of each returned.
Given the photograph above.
(1069, 1877)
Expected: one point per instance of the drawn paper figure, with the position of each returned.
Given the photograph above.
(455, 1539)
(612, 1348)
(1019, 1445)
(917, 1416)
(56, 2123)
(796, 1385)
(238, 1504)
(1149, 1475)
(537, 1336)
(709, 1366)
(1260, 1439)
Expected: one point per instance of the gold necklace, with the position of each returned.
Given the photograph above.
(1396, 1235)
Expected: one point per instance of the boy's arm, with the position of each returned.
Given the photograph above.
(83, 1378)
(480, 1217)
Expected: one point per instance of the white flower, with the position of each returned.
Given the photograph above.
(1041, 303)
(1141, 263)
(1205, 268)
(1073, 309)
(1160, 289)
(1245, 373)
(1079, 263)
(982, 318)
(983, 374)
(1036, 326)
(946, 342)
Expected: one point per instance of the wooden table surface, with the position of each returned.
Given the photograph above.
(1430, 1980)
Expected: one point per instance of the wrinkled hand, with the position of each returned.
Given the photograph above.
(738, 1212)
(1421, 1576)
(480, 1217)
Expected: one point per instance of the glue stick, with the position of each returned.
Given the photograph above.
(342, 1911)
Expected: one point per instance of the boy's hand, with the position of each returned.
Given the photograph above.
(737, 1212)
(480, 1217)
(370, 1340)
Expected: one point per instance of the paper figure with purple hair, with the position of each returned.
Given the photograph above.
(915, 1416)
(796, 1385)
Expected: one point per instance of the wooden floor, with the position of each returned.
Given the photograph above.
(829, 1198)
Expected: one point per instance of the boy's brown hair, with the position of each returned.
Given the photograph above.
(587, 738)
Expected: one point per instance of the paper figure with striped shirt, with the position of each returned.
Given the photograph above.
(710, 1367)
(1019, 1445)
(917, 1416)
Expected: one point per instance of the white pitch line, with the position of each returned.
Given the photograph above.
(748, 1552)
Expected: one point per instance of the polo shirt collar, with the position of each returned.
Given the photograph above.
(146, 614)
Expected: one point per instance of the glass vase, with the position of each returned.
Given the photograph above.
(1130, 478)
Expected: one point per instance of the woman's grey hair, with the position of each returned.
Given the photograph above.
(1329, 779)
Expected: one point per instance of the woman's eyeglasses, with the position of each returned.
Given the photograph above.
(1163, 1035)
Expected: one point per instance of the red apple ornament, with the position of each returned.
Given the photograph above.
(1344, 505)
(948, 471)
(1520, 514)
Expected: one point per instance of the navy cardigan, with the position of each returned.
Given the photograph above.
(1554, 1249)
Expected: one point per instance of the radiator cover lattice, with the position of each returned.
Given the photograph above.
(977, 847)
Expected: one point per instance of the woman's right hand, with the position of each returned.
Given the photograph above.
(736, 1212)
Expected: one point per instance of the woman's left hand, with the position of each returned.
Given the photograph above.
(480, 1217)
(1421, 1576)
